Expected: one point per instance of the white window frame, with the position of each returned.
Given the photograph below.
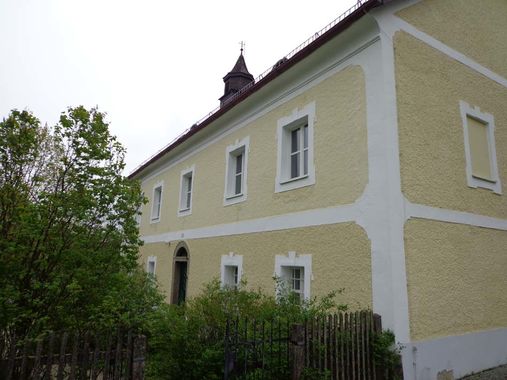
(243, 147)
(298, 118)
(153, 218)
(284, 264)
(183, 210)
(151, 259)
(230, 260)
(474, 112)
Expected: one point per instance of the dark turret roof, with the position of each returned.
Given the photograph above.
(240, 66)
(236, 79)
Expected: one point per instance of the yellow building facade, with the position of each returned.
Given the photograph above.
(372, 160)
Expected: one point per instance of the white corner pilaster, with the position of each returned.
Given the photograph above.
(381, 207)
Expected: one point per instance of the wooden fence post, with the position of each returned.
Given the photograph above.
(297, 344)
(138, 357)
(377, 329)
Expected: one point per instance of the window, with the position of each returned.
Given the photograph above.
(295, 273)
(480, 152)
(236, 172)
(186, 188)
(296, 280)
(295, 150)
(151, 265)
(231, 268)
(299, 151)
(156, 203)
(231, 276)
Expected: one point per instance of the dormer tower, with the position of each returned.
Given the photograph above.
(236, 79)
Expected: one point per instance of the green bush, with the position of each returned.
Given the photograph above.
(187, 341)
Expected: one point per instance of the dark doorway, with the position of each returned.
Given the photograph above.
(180, 276)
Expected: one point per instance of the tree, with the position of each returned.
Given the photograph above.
(68, 232)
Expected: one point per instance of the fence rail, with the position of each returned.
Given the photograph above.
(337, 347)
(112, 355)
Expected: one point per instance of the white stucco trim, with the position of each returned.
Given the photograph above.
(341, 214)
(463, 354)
(231, 260)
(397, 23)
(488, 119)
(292, 259)
(284, 124)
(230, 199)
(413, 210)
(316, 217)
(381, 206)
(184, 211)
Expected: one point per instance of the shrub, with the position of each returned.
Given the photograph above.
(187, 341)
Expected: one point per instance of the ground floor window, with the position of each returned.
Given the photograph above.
(293, 272)
(231, 269)
(151, 265)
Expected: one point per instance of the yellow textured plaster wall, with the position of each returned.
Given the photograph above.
(340, 259)
(477, 29)
(340, 162)
(163, 269)
(456, 278)
(429, 86)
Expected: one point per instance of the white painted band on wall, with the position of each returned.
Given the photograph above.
(331, 215)
(413, 210)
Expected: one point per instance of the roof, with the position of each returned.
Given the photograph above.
(240, 66)
(302, 51)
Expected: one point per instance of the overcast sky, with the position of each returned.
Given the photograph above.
(154, 66)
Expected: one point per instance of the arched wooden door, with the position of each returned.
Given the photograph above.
(180, 274)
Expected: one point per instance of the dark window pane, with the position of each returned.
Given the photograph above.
(294, 165)
(189, 183)
(239, 163)
(294, 135)
(237, 185)
(305, 136)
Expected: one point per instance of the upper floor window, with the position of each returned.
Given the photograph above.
(156, 206)
(299, 151)
(295, 166)
(186, 188)
(294, 272)
(480, 152)
(236, 172)
(231, 270)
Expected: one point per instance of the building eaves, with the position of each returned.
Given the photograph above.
(302, 51)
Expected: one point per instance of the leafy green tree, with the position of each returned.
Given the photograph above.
(68, 232)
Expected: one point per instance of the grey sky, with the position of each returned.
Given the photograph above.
(154, 66)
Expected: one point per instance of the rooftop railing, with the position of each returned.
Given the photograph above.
(259, 78)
